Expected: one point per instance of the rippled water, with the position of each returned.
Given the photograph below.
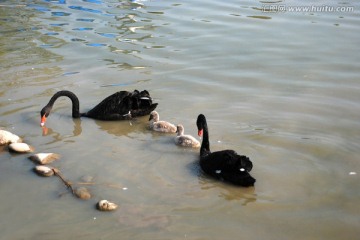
(277, 84)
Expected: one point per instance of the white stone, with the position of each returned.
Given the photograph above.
(8, 137)
(44, 158)
(20, 147)
(44, 171)
(105, 205)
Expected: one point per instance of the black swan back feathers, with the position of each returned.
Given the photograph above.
(123, 105)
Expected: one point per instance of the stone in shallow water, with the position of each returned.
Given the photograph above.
(20, 148)
(87, 179)
(105, 205)
(82, 193)
(44, 171)
(44, 158)
(8, 137)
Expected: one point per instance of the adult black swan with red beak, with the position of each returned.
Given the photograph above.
(225, 165)
(118, 106)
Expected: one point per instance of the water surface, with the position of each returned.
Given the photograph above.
(278, 86)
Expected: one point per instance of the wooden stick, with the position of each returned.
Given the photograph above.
(67, 184)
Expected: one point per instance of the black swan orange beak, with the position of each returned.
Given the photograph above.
(200, 132)
(43, 120)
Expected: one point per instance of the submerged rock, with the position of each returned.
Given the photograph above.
(44, 171)
(20, 148)
(44, 158)
(7, 137)
(105, 205)
(82, 193)
(87, 179)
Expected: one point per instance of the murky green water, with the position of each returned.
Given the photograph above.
(281, 87)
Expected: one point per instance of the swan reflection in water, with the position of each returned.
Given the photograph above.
(224, 190)
(59, 137)
(124, 128)
(229, 192)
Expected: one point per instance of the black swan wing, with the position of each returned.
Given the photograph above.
(229, 166)
(118, 105)
(226, 160)
(111, 107)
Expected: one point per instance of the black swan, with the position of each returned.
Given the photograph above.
(118, 106)
(226, 165)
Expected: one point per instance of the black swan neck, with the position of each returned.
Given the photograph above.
(205, 145)
(74, 99)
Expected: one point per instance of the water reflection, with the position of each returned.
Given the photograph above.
(108, 35)
(38, 8)
(85, 19)
(56, 1)
(245, 195)
(85, 9)
(60, 14)
(122, 26)
(93, 1)
(122, 128)
(60, 136)
(227, 191)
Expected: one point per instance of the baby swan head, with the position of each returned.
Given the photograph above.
(154, 116)
(180, 130)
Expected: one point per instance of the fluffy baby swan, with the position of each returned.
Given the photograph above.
(185, 140)
(160, 126)
(8, 137)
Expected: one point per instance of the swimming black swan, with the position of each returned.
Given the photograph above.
(118, 106)
(226, 165)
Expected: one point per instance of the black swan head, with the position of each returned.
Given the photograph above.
(201, 124)
(45, 111)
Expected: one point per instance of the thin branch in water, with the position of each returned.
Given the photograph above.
(67, 183)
